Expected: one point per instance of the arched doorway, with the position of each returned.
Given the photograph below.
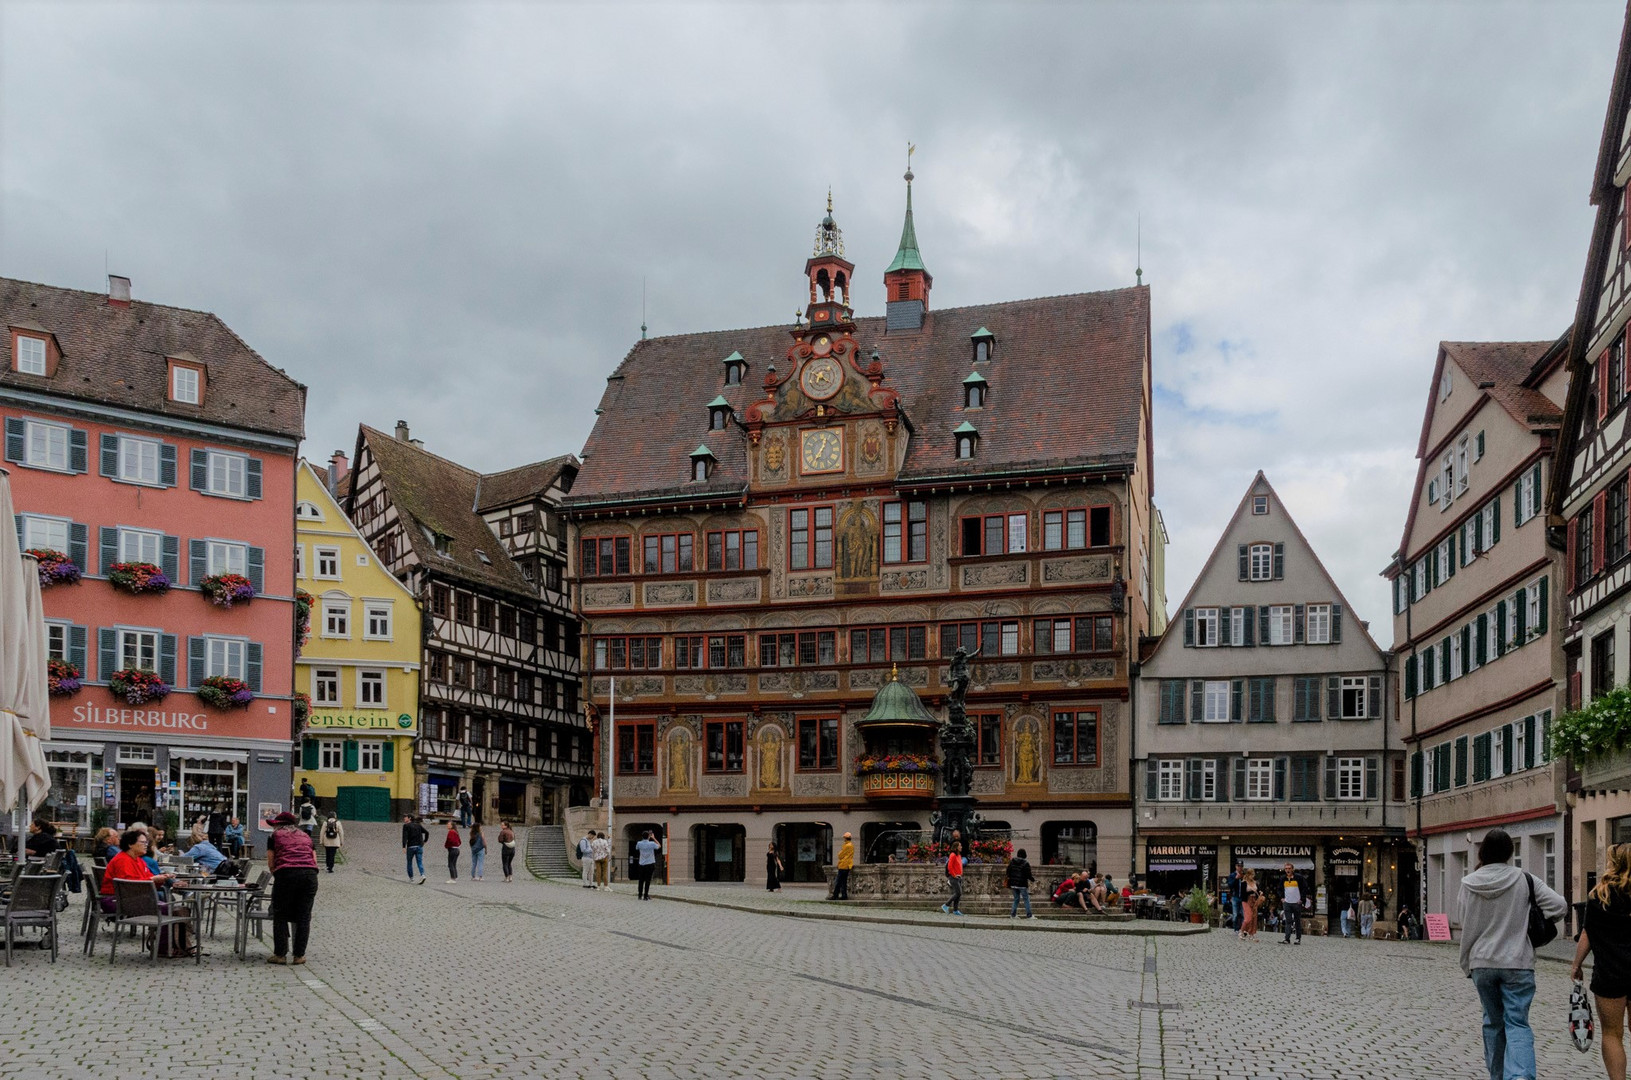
(804, 846)
(719, 853)
(1070, 843)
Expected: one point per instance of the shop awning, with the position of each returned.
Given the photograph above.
(1259, 862)
(74, 748)
(192, 753)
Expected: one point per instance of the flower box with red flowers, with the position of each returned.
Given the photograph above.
(302, 708)
(877, 763)
(224, 590)
(303, 603)
(138, 686)
(220, 692)
(55, 567)
(62, 678)
(138, 577)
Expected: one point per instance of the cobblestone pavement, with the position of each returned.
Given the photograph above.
(488, 979)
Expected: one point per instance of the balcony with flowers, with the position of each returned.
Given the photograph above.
(897, 762)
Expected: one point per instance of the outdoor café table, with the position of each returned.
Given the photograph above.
(215, 892)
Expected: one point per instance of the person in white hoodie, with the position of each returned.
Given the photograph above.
(1497, 956)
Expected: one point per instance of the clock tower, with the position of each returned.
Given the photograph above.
(830, 275)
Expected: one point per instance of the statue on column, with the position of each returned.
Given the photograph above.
(957, 741)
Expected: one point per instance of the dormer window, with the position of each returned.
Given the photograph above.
(983, 340)
(974, 390)
(968, 441)
(719, 411)
(186, 381)
(702, 464)
(735, 369)
(308, 511)
(30, 355)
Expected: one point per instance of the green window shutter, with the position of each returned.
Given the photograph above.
(350, 756)
(1236, 694)
(387, 756)
(1330, 779)
(1529, 742)
(1541, 627)
(1409, 677)
(1281, 766)
(1197, 701)
(1333, 697)
(1444, 660)
(308, 754)
(1415, 775)
(1248, 624)
(1481, 639)
(1495, 519)
(1523, 616)
(1149, 779)
(1189, 626)
(1279, 561)
(1500, 628)
(1450, 540)
(1243, 562)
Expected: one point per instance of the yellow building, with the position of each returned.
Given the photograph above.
(359, 665)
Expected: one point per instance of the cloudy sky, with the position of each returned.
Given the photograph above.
(445, 213)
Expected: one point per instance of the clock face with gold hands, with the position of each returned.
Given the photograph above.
(823, 450)
(821, 378)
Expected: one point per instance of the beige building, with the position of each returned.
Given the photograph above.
(1475, 614)
(1263, 726)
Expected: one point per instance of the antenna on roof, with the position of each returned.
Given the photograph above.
(642, 309)
(1140, 270)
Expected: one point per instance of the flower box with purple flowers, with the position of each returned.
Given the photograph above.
(55, 567)
(138, 577)
(62, 678)
(224, 590)
(220, 692)
(138, 686)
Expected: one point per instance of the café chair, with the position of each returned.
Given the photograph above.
(95, 917)
(33, 903)
(138, 907)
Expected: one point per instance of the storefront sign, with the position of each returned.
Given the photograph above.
(366, 720)
(1274, 851)
(1438, 927)
(1345, 862)
(157, 719)
(1179, 856)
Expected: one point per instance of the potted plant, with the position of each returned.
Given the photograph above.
(1199, 906)
(224, 590)
(62, 678)
(220, 692)
(55, 567)
(138, 686)
(138, 577)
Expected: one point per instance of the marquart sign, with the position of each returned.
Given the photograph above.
(366, 719)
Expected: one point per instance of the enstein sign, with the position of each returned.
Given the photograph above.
(365, 720)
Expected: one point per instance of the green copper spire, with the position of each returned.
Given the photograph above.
(908, 257)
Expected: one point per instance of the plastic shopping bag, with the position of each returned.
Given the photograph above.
(1580, 1027)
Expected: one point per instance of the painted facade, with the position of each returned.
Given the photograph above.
(1265, 726)
(359, 666)
(141, 440)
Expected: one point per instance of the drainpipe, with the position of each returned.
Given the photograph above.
(1409, 636)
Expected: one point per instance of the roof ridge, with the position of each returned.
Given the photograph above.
(420, 449)
(528, 465)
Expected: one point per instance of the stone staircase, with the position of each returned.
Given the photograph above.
(546, 852)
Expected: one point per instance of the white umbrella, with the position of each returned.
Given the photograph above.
(25, 706)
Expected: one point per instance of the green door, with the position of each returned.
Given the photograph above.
(363, 804)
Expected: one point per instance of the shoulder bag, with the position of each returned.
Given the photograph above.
(1541, 929)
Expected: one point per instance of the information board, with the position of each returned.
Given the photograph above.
(1438, 927)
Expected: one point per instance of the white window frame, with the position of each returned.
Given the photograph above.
(1446, 480)
(1260, 505)
(1259, 779)
(1487, 529)
(1469, 539)
(139, 461)
(226, 657)
(1237, 626)
(1462, 477)
(136, 645)
(1018, 524)
(226, 474)
(218, 557)
(331, 755)
(1260, 562)
(137, 755)
(370, 757)
(56, 640)
(1549, 859)
(1282, 625)
(1512, 641)
(300, 560)
(325, 686)
(372, 611)
(40, 531)
(371, 689)
(1215, 695)
(41, 449)
(184, 384)
(1531, 599)
(336, 618)
(1350, 784)
(1317, 624)
(1526, 495)
(1442, 554)
(1169, 780)
(32, 355)
(1360, 683)
(1457, 661)
(134, 542)
(1518, 740)
(322, 555)
(1206, 628)
(1209, 780)
(1497, 763)
(308, 511)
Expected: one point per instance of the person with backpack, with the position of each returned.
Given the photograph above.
(506, 848)
(478, 853)
(452, 843)
(333, 837)
(586, 858)
(308, 820)
(466, 807)
(1606, 935)
(1020, 876)
(1498, 950)
(414, 838)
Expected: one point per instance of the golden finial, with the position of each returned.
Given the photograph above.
(894, 672)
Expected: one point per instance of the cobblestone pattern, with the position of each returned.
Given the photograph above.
(488, 979)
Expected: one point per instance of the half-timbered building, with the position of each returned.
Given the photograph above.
(498, 709)
(771, 523)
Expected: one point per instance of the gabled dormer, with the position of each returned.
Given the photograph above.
(185, 376)
(975, 389)
(736, 369)
(984, 344)
(34, 350)
(719, 413)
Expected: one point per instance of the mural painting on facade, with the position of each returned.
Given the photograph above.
(679, 760)
(857, 551)
(770, 742)
(775, 457)
(1028, 751)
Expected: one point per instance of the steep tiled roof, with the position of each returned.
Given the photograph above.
(435, 493)
(1507, 364)
(1066, 390)
(524, 481)
(115, 355)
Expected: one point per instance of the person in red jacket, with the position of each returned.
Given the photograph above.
(452, 844)
(954, 874)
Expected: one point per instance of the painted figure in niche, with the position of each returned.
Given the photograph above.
(770, 758)
(1027, 753)
(857, 544)
(679, 760)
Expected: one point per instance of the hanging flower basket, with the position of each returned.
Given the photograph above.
(138, 686)
(220, 692)
(224, 590)
(303, 602)
(302, 709)
(55, 567)
(876, 763)
(138, 577)
(62, 677)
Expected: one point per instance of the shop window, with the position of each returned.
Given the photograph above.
(1070, 843)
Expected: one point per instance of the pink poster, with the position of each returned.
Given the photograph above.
(1438, 927)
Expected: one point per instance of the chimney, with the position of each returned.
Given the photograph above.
(402, 431)
(338, 467)
(118, 290)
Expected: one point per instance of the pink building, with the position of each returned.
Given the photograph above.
(145, 440)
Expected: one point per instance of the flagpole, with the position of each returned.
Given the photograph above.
(611, 762)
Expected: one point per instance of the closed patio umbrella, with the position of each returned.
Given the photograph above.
(25, 706)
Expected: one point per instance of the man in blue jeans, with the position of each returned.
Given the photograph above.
(414, 836)
(1496, 953)
(1291, 911)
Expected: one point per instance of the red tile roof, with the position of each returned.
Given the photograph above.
(1507, 365)
(115, 355)
(1066, 390)
(524, 482)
